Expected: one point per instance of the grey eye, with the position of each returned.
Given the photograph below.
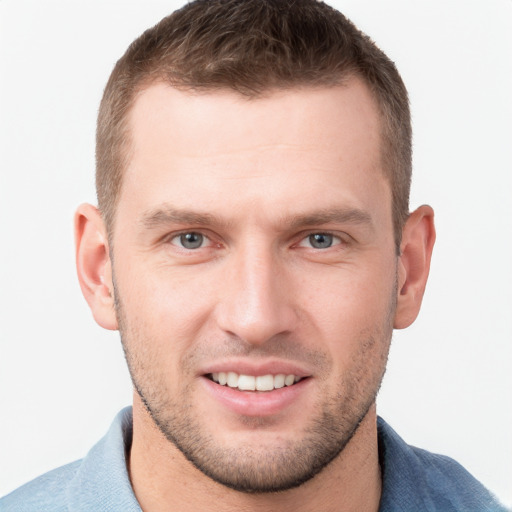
(321, 240)
(191, 240)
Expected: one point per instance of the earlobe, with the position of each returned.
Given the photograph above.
(94, 266)
(418, 239)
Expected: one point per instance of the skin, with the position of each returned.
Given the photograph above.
(256, 179)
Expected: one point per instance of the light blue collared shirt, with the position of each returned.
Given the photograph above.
(413, 480)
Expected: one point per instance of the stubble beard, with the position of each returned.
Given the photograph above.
(252, 469)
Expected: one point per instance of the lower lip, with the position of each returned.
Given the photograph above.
(256, 403)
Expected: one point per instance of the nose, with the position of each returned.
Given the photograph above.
(256, 301)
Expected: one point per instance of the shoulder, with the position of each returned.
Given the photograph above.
(415, 479)
(98, 482)
(46, 492)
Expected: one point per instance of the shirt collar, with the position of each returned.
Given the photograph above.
(102, 481)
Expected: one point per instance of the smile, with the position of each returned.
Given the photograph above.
(252, 383)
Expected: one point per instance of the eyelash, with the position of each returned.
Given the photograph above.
(335, 240)
(178, 236)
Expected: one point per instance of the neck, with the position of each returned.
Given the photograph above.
(164, 480)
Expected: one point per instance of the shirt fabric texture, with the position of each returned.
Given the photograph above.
(414, 480)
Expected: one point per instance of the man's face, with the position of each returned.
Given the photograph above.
(254, 243)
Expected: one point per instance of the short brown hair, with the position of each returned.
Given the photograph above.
(252, 47)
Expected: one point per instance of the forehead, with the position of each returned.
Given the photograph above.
(281, 148)
(305, 115)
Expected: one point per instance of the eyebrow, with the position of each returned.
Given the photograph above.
(331, 215)
(168, 215)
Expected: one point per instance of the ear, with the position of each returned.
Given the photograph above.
(94, 266)
(418, 237)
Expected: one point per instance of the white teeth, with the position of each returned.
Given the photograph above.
(289, 380)
(251, 383)
(265, 383)
(246, 383)
(232, 379)
(279, 381)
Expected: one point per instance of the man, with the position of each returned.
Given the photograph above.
(254, 247)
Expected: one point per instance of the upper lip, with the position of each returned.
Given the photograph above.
(256, 368)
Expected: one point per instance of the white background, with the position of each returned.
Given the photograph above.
(449, 381)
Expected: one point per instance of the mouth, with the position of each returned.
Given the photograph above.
(244, 382)
(258, 390)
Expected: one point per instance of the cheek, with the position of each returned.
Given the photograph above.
(348, 305)
(161, 291)
(163, 309)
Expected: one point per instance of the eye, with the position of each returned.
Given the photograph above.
(320, 241)
(190, 241)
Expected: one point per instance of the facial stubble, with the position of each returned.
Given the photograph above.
(246, 468)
